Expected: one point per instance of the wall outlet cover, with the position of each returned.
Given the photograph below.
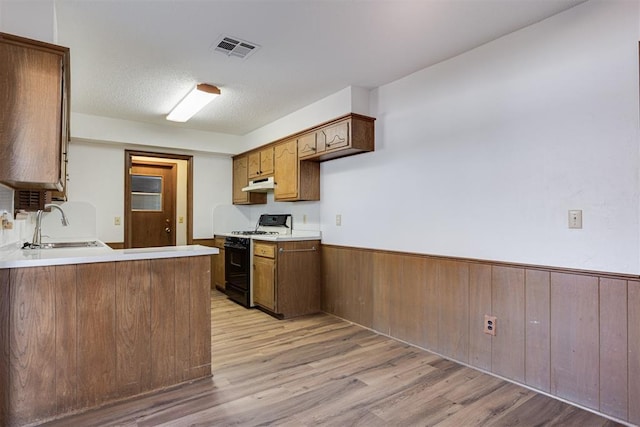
(490, 324)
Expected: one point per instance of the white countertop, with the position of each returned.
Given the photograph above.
(15, 257)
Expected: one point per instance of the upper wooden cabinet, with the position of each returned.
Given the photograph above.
(343, 137)
(34, 113)
(295, 180)
(261, 163)
(293, 161)
(240, 180)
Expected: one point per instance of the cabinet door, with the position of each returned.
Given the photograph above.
(261, 163)
(266, 161)
(218, 269)
(254, 165)
(334, 137)
(241, 179)
(31, 121)
(264, 292)
(286, 170)
(307, 145)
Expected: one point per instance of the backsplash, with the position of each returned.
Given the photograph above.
(13, 234)
(81, 216)
(6, 199)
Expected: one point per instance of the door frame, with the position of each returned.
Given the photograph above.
(128, 161)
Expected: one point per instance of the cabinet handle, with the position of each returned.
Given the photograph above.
(333, 141)
(283, 250)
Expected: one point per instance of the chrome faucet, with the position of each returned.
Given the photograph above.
(37, 233)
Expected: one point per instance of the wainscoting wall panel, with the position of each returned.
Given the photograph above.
(479, 305)
(633, 340)
(537, 329)
(574, 334)
(508, 303)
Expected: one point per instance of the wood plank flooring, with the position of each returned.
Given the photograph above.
(320, 370)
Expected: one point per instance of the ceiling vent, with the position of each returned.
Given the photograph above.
(233, 46)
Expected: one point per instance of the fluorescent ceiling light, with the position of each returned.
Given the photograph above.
(195, 100)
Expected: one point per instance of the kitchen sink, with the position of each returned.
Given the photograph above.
(67, 245)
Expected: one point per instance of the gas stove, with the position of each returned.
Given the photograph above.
(269, 224)
(238, 254)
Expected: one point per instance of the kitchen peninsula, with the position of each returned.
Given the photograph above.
(83, 327)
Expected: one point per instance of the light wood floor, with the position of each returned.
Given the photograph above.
(320, 370)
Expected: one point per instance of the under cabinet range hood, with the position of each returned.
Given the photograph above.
(261, 185)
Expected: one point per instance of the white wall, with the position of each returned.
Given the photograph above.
(348, 100)
(211, 189)
(106, 129)
(34, 19)
(482, 156)
(96, 176)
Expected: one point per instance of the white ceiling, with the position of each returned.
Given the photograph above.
(136, 59)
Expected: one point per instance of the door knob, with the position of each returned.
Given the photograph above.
(167, 230)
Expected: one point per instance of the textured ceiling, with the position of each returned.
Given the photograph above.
(136, 59)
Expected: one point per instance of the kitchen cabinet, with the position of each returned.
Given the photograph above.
(286, 277)
(343, 137)
(261, 163)
(240, 180)
(293, 161)
(217, 267)
(264, 290)
(295, 180)
(34, 113)
(217, 261)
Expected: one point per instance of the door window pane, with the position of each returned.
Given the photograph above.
(146, 193)
(146, 184)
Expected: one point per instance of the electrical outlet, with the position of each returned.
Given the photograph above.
(304, 218)
(116, 220)
(180, 219)
(338, 220)
(490, 325)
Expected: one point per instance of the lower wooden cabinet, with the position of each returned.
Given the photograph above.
(74, 337)
(286, 277)
(217, 261)
(217, 268)
(264, 278)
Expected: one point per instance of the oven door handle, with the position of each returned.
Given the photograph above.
(235, 246)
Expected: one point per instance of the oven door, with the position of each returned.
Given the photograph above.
(236, 271)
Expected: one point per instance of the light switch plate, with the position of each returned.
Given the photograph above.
(575, 218)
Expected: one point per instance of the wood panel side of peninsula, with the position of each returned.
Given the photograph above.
(78, 336)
